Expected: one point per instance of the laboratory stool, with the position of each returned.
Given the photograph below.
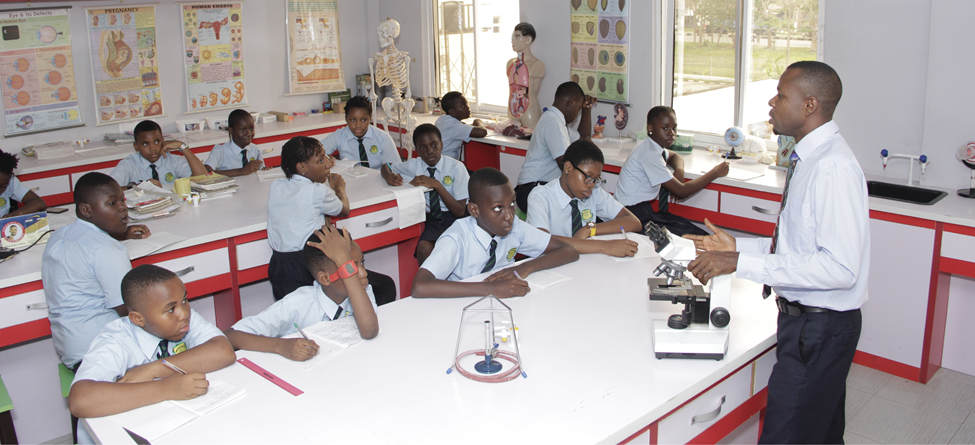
(7, 433)
(67, 376)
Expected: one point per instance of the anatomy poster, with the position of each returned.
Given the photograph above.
(599, 44)
(36, 71)
(315, 56)
(124, 63)
(214, 56)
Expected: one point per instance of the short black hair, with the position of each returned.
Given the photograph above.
(581, 152)
(821, 81)
(481, 180)
(568, 90)
(297, 150)
(236, 116)
(315, 259)
(450, 101)
(89, 186)
(358, 102)
(8, 162)
(658, 111)
(138, 281)
(424, 129)
(145, 127)
(526, 29)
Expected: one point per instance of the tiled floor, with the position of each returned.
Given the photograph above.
(881, 408)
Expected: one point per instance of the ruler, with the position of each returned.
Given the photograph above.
(271, 377)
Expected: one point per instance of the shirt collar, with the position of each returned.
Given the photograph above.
(807, 146)
(439, 165)
(233, 146)
(299, 178)
(144, 163)
(327, 303)
(369, 134)
(147, 342)
(558, 113)
(654, 146)
(561, 197)
(482, 236)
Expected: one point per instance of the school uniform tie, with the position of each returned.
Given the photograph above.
(435, 211)
(362, 153)
(576, 217)
(493, 259)
(338, 313)
(243, 158)
(766, 289)
(663, 197)
(163, 349)
(155, 174)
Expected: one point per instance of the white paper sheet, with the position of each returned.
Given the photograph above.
(645, 248)
(218, 394)
(412, 206)
(544, 279)
(270, 175)
(154, 421)
(332, 337)
(740, 174)
(139, 248)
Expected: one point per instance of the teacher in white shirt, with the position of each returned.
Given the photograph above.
(817, 261)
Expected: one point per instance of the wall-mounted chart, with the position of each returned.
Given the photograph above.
(600, 47)
(314, 51)
(125, 69)
(37, 80)
(213, 56)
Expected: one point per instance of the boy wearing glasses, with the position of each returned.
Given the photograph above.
(568, 208)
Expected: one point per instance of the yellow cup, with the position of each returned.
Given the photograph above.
(182, 186)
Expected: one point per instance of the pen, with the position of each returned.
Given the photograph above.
(302, 332)
(173, 367)
(624, 233)
(518, 276)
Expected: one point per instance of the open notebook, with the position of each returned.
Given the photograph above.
(332, 337)
(157, 420)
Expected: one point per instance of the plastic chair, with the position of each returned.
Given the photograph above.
(7, 432)
(67, 376)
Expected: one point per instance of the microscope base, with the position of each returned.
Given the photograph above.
(698, 341)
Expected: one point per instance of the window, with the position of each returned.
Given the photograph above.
(724, 76)
(472, 46)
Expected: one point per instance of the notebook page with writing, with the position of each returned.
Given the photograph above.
(218, 394)
(645, 248)
(326, 350)
(343, 332)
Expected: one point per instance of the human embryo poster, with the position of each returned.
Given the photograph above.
(213, 56)
(124, 63)
(37, 78)
(315, 56)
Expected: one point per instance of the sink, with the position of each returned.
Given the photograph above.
(904, 193)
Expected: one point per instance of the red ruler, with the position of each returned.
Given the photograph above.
(271, 377)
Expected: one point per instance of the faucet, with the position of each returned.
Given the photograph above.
(923, 159)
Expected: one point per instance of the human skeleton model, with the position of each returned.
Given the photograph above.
(392, 67)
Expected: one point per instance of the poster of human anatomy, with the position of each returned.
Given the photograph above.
(124, 63)
(36, 71)
(600, 35)
(214, 56)
(315, 56)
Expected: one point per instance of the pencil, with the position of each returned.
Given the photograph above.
(302, 332)
(173, 367)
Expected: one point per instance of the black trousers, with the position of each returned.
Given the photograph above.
(807, 388)
(287, 272)
(522, 191)
(678, 225)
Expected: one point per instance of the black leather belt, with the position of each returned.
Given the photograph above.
(536, 183)
(796, 309)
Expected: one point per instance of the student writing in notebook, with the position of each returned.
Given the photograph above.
(123, 369)
(238, 156)
(341, 289)
(486, 241)
(153, 161)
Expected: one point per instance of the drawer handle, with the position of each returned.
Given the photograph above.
(36, 306)
(765, 211)
(709, 416)
(180, 273)
(380, 223)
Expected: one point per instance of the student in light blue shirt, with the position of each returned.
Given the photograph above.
(297, 206)
(229, 158)
(551, 137)
(123, 369)
(83, 266)
(447, 177)
(453, 130)
(11, 188)
(360, 141)
(153, 162)
(569, 208)
(341, 289)
(486, 241)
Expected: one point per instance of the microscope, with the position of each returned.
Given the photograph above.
(700, 331)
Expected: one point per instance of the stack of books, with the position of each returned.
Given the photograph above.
(213, 186)
(120, 138)
(143, 206)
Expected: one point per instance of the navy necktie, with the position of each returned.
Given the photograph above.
(766, 289)
(362, 154)
(155, 174)
(163, 349)
(576, 217)
(243, 158)
(663, 197)
(435, 211)
(491, 261)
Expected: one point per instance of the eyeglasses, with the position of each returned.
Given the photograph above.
(589, 179)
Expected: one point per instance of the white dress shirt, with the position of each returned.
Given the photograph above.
(644, 171)
(380, 148)
(823, 253)
(296, 208)
(450, 172)
(16, 191)
(135, 168)
(226, 156)
(306, 306)
(463, 249)
(454, 134)
(549, 209)
(82, 270)
(549, 141)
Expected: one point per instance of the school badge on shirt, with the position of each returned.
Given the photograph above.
(180, 347)
(3, 202)
(170, 177)
(511, 254)
(374, 149)
(587, 215)
(447, 180)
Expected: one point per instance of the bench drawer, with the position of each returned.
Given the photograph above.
(371, 223)
(254, 254)
(199, 266)
(763, 369)
(14, 311)
(744, 206)
(701, 413)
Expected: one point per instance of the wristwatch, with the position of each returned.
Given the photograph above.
(183, 146)
(592, 229)
(348, 269)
